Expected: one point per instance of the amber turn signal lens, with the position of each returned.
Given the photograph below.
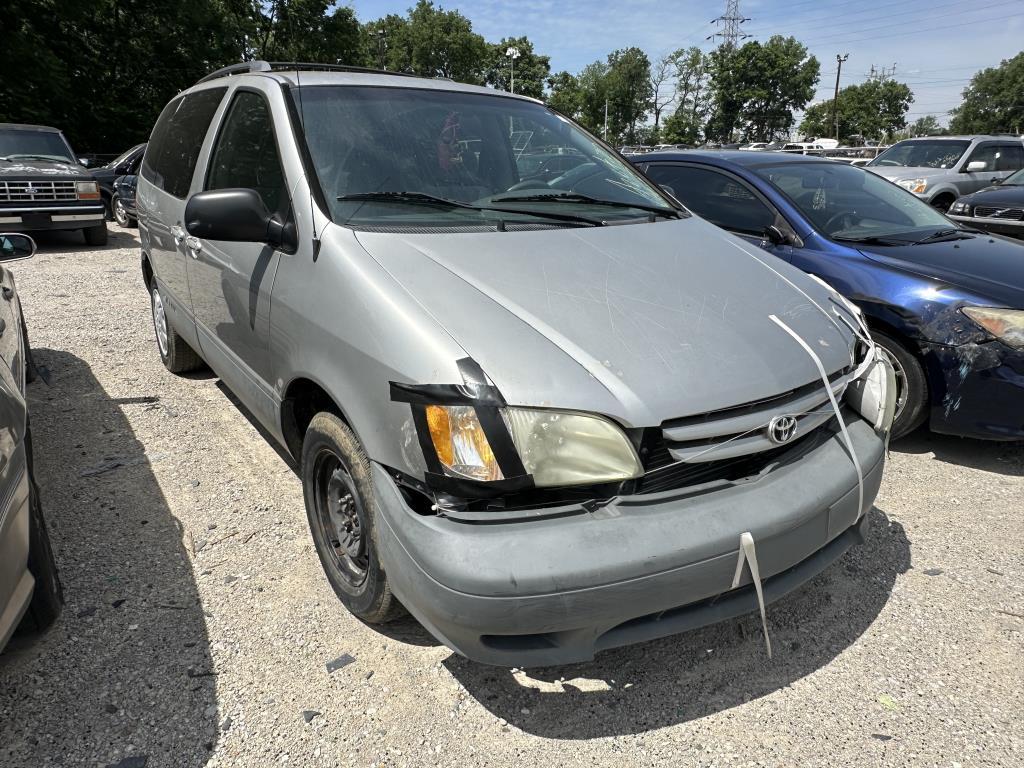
(460, 442)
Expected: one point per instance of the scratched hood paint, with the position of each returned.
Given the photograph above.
(643, 322)
(20, 168)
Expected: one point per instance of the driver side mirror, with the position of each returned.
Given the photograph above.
(975, 165)
(775, 236)
(15, 246)
(239, 216)
(85, 162)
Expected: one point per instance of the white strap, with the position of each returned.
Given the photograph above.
(835, 407)
(748, 553)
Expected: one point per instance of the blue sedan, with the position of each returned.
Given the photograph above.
(947, 303)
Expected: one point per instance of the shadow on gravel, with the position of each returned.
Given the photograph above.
(126, 672)
(59, 242)
(688, 676)
(987, 455)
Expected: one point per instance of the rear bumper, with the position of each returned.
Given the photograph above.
(557, 590)
(999, 226)
(977, 390)
(52, 217)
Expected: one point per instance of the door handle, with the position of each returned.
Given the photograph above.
(194, 245)
(178, 234)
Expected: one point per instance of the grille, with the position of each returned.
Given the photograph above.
(991, 212)
(36, 191)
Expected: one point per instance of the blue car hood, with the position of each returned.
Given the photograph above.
(989, 266)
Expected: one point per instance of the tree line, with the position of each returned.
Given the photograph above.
(103, 69)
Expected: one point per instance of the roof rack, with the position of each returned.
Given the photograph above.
(279, 66)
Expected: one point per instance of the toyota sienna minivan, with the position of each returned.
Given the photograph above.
(547, 416)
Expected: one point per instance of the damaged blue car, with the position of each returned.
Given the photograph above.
(946, 302)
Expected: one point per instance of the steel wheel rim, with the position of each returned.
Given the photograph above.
(119, 213)
(341, 518)
(160, 322)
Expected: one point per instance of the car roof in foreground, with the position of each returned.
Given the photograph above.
(361, 78)
(25, 127)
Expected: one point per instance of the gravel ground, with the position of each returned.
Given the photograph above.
(198, 623)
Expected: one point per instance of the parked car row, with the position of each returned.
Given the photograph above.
(532, 397)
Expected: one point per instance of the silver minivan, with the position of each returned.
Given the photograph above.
(548, 416)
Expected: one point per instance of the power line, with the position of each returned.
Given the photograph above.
(914, 31)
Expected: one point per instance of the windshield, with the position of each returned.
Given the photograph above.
(27, 144)
(941, 153)
(1014, 179)
(478, 150)
(843, 202)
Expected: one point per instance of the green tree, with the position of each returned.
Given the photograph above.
(994, 101)
(565, 95)
(925, 126)
(305, 30)
(531, 69)
(758, 86)
(629, 92)
(593, 96)
(871, 110)
(685, 124)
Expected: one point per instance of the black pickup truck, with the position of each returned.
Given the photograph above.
(42, 186)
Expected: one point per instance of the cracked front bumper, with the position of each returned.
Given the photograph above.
(556, 590)
(977, 390)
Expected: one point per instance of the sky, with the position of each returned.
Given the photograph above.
(936, 45)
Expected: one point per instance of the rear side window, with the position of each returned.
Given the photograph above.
(245, 154)
(173, 150)
(1010, 158)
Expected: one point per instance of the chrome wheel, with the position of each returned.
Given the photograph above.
(159, 321)
(120, 214)
(341, 518)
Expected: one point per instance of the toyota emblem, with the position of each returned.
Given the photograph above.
(782, 429)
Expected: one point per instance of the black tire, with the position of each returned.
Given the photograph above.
(175, 353)
(338, 490)
(911, 386)
(30, 366)
(48, 595)
(96, 235)
(942, 203)
(120, 214)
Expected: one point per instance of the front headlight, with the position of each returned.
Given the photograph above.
(87, 190)
(557, 448)
(917, 186)
(960, 209)
(1007, 325)
(562, 448)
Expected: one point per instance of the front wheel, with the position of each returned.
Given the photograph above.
(120, 214)
(47, 595)
(340, 504)
(911, 386)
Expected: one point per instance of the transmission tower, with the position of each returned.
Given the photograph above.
(729, 24)
(882, 74)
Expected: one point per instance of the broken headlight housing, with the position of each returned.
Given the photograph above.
(1007, 325)
(555, 448)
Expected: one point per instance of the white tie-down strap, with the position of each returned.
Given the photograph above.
(835, 407)
(748, 554)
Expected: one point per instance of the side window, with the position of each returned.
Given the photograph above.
(987, 154)
(714, 196)
(170, 159)
(1011, 157)
(245, 154)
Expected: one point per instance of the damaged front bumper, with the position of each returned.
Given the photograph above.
(977, 390)
(559, 588)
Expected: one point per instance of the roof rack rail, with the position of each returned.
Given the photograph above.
(278, 66)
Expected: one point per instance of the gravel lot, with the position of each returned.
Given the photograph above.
(198, 623)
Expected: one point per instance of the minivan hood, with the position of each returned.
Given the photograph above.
(642, 322)
(907, 171)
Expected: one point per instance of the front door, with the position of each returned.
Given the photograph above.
(231, 283)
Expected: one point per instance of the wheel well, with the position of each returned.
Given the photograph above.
(944, 197)
(874, 324)
(303, 400)
(147, 271)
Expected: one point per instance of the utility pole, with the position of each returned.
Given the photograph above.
(513, 54)
(605, 137)
(730, 25)
(835, 99)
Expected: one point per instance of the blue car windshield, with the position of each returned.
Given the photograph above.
(843, 202)
(389, 156)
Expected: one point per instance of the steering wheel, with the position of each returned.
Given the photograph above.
(528, 184)
(841, 216)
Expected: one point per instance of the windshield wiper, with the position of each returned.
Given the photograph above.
(873, 240)
(575, 197)
(944, 233)
(54, 158)
(422, 198)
